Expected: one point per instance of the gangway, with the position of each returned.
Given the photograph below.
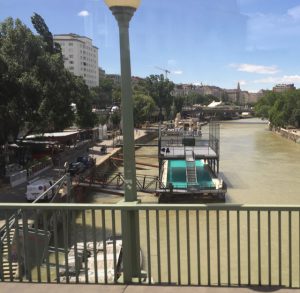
(116, 181)
(191, 171)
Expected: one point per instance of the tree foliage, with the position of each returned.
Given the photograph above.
(36, 90)
(195, 98)
(42, 29)
(102, 96)
(282, 109)
(160, 89)
(143, 107)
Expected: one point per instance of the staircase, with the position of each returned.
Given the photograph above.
(191, 171)
(9, 269)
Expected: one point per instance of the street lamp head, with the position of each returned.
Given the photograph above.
(123, 3)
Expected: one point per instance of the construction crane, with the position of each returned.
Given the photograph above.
(166, 71)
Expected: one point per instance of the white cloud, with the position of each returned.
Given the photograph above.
(83, 13)
(282, 79)
(274, 31)
(294, 12)
(252, 68)
(178, 72)
(243, 82)
(172, 62)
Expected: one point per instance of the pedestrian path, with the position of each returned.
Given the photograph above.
(76, 288)
(95, 151)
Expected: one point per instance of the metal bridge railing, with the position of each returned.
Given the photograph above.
(214, 245)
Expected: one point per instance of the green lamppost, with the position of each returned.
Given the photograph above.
(123, 11)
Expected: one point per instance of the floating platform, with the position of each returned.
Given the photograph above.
(189, 166)
(190, 181)
(204, 196)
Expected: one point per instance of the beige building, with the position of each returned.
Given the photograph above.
(279, 88)
(80, 57)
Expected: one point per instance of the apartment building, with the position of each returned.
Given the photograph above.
(280, 88)
(80, 57)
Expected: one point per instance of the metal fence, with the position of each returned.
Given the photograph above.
(116, 180)
(210, 245)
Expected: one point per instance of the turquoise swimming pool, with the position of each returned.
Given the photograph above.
(177, 174)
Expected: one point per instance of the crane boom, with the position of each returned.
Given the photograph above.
(166, 71)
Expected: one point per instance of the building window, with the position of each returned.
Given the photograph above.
(71, 62)
(71, 56)
(70, 44)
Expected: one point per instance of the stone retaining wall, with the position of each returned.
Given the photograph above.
(289, 134)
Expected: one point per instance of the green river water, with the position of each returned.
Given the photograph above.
(259, 167)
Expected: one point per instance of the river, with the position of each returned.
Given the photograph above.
(259, 167)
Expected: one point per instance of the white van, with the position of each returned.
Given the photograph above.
(36, 187)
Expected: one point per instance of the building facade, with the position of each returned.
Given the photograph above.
(80, 57)
(279, 88)
(101, 73)
(116, 78)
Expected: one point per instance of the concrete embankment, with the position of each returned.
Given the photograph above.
(104, 163)
(291, 134)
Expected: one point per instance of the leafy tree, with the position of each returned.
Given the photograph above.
(143, 107)
(36, 90)
(116, 96)
(102, 96)
(22, 90)
(42, 29)
(160, 90)
(84, 116)
(282, 109)
(196, 98)
(179, 102)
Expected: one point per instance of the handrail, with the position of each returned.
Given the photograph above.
(65, 177)
(144, 206)
(216, 244)
(13, 217)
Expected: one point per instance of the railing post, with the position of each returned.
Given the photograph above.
(131, 244)
(1, 262)
(69, 185)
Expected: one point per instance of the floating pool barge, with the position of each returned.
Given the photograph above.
(189, 166)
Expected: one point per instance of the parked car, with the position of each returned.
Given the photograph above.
(76, 168)
(37, 187)
(88, 161)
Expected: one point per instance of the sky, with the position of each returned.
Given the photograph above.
(210, 42)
